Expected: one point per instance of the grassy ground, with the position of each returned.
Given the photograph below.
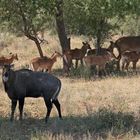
(107, 108)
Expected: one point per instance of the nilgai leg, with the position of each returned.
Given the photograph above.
(21, 104)
(13, 107)
(49, 108)
(57, 104)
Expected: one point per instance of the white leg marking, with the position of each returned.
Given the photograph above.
(55, 94)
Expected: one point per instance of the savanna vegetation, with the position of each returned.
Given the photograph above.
(92, 107)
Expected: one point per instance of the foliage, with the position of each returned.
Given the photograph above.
(88, 17)
(131, 25)
(28, 17)
(15, 12)
(93, 17)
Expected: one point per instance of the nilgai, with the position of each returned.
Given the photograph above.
(127, 43)
(26, 83)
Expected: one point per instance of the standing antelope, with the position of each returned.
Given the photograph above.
(99, 60)
(6, 60)
(77, 54)
(45, 63)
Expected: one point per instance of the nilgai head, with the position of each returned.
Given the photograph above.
(6, 72)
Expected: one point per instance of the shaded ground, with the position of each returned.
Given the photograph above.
(98, 124)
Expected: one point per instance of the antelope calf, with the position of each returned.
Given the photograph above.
(99, 60)
(45, 63)
(5, 60)
(128, 57)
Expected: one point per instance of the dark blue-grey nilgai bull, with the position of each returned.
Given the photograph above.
(26, 83)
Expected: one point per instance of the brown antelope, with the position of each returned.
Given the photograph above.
(8, 60)
(129, 43)
(45, 63)
(128, 57)
(77, 54)
(99, 60)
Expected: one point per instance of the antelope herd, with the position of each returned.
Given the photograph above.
(28, 83)
(128, 49)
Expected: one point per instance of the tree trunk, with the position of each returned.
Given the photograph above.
(36, 42)
(98, 44)
(99, 36)
(64, 41)
(39, 48)
(65, 44)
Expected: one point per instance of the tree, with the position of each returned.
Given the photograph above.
(29, 17)
(131, 23)
(25, 17)
(64, 41)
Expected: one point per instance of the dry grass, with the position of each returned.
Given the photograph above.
(99, 109)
